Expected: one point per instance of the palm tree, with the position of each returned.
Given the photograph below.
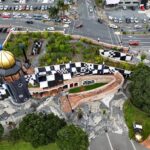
(53, 11)
(61, 6)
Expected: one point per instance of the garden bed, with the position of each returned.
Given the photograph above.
(86, 88)
(60, 49)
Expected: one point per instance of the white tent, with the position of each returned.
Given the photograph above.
(108, 2)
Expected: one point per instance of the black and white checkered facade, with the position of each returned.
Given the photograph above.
(47, 76)
(115, 55)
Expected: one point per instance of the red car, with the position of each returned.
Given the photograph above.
(134, 43)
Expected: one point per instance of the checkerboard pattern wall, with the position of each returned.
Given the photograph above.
(115, 55)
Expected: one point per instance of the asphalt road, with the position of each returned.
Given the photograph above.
(114, 141)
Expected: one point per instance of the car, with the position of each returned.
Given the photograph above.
(79, 25)
(144, 20)
(132, 20)
(66, 25)
(120, 20)
(113, 26)
(57, 19)
(1, 7)
(90, 9)
(28, 17)
(134, 43)
(29, 22)
(50, 29)
(67, 21)
(110, 17)
(136, 20)
(138, 26)
(16, 7)
(128, 20)
(116, 20)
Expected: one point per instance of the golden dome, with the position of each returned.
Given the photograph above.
(7, 59)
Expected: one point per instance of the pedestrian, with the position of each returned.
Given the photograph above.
(98, 39)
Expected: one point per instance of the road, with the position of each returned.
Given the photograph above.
(112, 141)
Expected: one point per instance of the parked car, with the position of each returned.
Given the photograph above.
(136, 20)
(138, 26)
(110, 17)
(144, 20)
(29, 22)
(113, 26)
(134, 43)
(128, 20)
(90, 9)
(1, 7)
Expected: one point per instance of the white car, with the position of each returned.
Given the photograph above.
(110, 18)
(45, 16)
(66, 25)
(138, 26)
(28, 17)
(90, 9)
(113, 26)
(50, 29)
(67, 21)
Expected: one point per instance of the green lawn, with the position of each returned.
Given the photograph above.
(133, 114)
(86, 88)
(4, 145)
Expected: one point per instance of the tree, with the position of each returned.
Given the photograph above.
(140, 87)
(14, 135)
(53, 11)
(62, 6)
(1, 130)
(143, 56)
(72, 138)
(40, 129)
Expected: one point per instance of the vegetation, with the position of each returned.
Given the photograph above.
(40, 129)
(1, 130)
(143, 57)
(62, 49)
(53, 11)
(86, 88)
(133, 114)
(59, 8)
(72, 138)
(140, 88)
(21, 145)
(13, 44)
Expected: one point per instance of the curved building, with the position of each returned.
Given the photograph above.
(13, 77)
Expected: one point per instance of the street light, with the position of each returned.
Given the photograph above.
(22, 47)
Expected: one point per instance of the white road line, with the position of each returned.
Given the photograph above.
(87, 8)
(73, 27)
(109, 141)
(110, 34)
(132, 144)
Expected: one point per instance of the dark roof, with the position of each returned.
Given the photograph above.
(11, 71)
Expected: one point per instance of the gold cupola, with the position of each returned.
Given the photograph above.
(7, 59)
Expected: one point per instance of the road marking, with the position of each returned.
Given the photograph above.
(73, 27)
(110, 34)
(132, 144)
(87, 9)
(109, 141)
